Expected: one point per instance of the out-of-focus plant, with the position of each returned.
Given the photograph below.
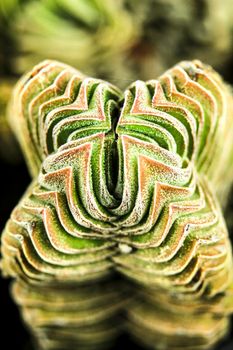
(122, 182)
(120, 39)
(174, 30)
(90, 34)
(9, 149)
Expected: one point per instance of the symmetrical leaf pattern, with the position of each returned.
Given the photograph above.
(123, 185)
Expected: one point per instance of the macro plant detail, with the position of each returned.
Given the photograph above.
(123, 212)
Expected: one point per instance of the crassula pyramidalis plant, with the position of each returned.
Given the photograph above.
(122, 213)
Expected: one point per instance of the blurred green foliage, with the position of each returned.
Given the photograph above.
(123, 40)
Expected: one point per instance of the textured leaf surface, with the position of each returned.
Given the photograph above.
(122, 182)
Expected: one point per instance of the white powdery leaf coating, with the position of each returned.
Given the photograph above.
(124, 182)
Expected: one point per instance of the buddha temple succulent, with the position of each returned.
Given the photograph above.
(123, 214)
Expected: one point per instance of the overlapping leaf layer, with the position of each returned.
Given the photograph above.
(128, 183)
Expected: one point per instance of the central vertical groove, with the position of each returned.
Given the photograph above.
(112, 166)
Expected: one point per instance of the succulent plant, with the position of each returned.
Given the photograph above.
(122, 212)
